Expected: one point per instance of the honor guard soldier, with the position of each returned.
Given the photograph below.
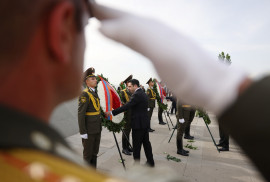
(184, 116)
(89, 118)
(125, 95)
(151, 100)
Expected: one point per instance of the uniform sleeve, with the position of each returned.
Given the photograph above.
(83, 104)
(123, 97)
(148, 93)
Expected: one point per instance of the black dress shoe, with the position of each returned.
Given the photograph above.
(189, 137)
(186, 151)
(150, 130)
(182, 152)
(220, 145)
(130, 149)
(125, 151)
(223, 149)
(162, 123)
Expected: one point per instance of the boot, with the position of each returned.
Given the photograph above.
(187, 133)
(186, 151)
(130, 149)
(180, 149)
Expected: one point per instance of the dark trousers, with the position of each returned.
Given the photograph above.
(181, 129)
(160, 111)
(224, 137)
(91, 148)
(173, 109)
(141, 137)
(191, 117)
(125, 135)
(150, 112)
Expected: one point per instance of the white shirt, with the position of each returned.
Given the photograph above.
(92, 89)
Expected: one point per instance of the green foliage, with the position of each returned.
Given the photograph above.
(111, 126)
(122, 86)
(191, 147)
(161, 105)
(225, 58)
(169, 157)
(204, 115)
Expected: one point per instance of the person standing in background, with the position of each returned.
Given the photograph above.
(89, 118)
(151, 100)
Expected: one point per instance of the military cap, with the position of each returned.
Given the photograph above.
(90, 72)
(128, 78)
(150, 80)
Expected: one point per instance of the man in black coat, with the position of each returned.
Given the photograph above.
(140, 122)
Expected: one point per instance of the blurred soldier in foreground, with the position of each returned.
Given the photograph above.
(89, 118)
(41, 64)
(199, 79)
(126, 94)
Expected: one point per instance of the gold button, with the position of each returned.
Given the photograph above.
(37, 171)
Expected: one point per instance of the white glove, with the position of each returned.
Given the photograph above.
(148, 109)
(181, 120)
(84, 136)
(186, 69)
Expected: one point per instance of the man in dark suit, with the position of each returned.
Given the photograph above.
(140, 122)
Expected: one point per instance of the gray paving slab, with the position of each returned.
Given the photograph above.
(203, 164)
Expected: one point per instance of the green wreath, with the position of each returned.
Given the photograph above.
(161, 105)
(204, 115)
(111, 126)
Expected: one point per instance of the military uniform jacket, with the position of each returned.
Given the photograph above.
(126, 95)
(248, 122)
(89, 112)
(28, 144)
(151, 97)
(184, 111)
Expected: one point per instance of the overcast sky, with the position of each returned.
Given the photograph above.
(240, 28)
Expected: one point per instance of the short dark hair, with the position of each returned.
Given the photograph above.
(18, 21)
(134, 82)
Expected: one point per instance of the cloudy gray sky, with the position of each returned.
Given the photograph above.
(238, 27)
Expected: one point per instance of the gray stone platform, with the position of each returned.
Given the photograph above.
(203, 164)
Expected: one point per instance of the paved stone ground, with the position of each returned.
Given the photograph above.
(203, 164)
